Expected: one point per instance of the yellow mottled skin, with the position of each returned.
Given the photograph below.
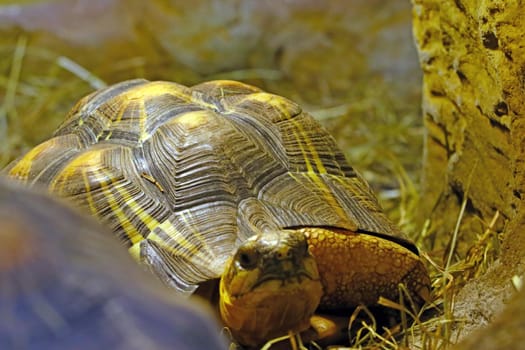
(359, 268)
(352, 268)
(270, 287)
(271, 311)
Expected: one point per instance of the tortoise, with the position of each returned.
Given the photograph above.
(227, 183)
(67, 283)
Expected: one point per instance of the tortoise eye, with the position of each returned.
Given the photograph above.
(247, 258)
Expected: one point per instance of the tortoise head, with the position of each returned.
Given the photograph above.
(269, 287)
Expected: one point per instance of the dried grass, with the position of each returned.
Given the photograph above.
(37, 88)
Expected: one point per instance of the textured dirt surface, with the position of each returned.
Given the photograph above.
(505, 332)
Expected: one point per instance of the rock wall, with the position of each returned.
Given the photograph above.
(505, 332)
(472, 54)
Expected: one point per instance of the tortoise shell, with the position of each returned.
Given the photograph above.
(67, 284)
(184, 174)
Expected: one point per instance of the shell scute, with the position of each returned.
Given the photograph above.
(183, 174)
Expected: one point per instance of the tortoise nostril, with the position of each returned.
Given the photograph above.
(285, 253)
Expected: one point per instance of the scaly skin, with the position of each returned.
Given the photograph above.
(270, 287)
(359, 268)
(352, 269)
